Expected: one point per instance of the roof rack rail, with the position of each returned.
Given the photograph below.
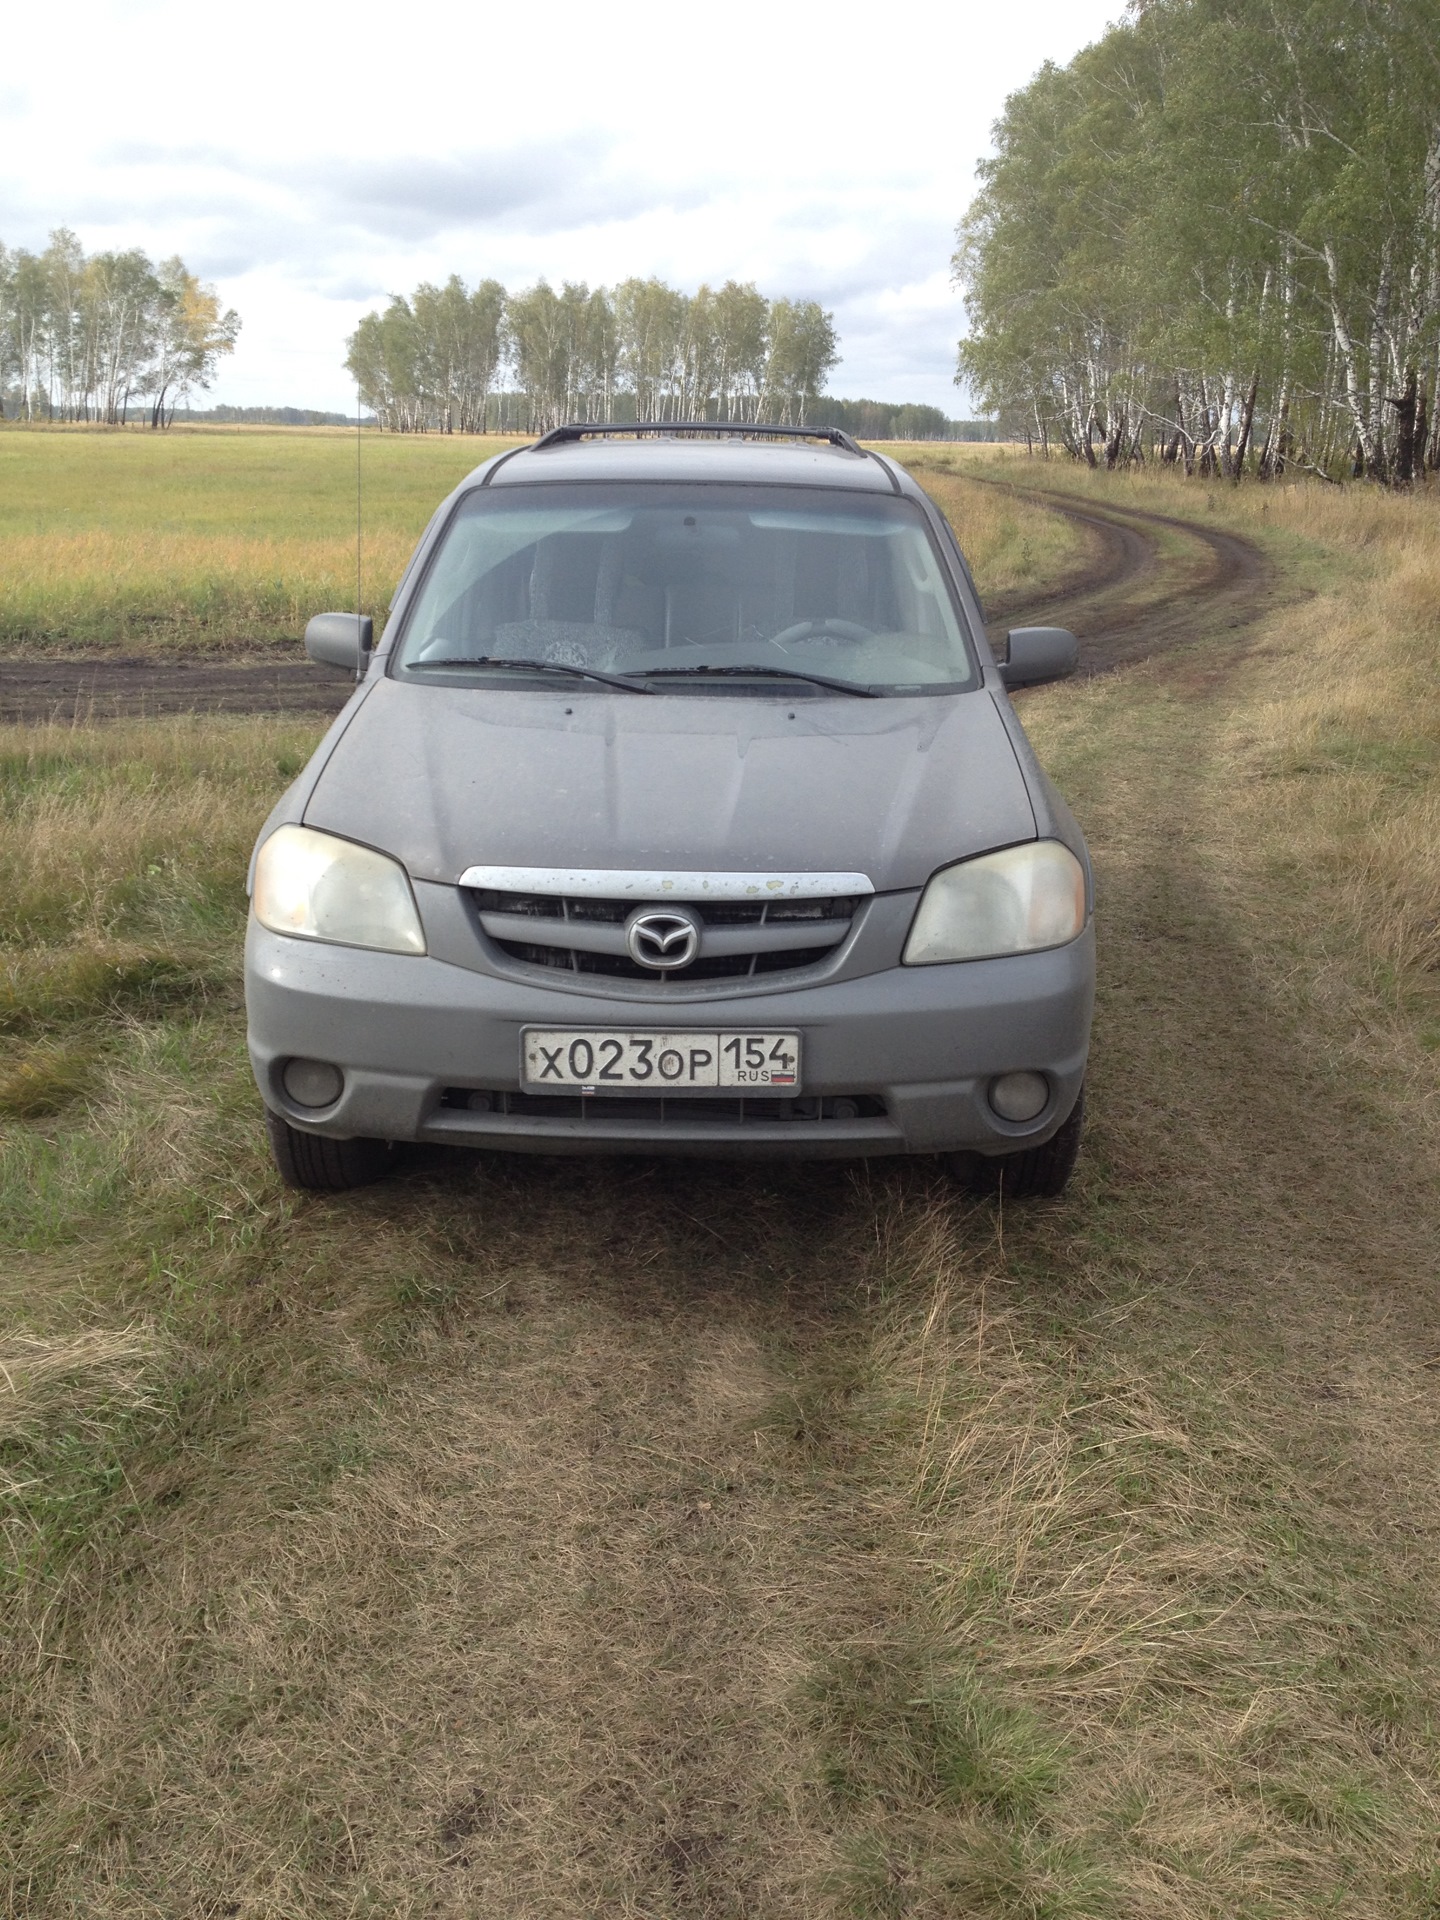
(735, 429)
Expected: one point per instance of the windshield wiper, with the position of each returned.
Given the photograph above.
(768, 673)
(533, 666)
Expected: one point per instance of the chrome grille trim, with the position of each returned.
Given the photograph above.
(714, 941)
(737, 939)
(656, 885)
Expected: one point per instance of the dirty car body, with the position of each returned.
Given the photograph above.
(682, 808)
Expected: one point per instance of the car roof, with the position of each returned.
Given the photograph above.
(793, 463)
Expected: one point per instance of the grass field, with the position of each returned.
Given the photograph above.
(226, 541)
(543, 1539)
(220, 540)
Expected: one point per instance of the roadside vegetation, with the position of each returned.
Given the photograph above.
(542, 1538)
(1017, 548)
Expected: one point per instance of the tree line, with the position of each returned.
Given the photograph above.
(898, 420)
(86, 337)
(230, 416)
(458, 360)
(1213, 239)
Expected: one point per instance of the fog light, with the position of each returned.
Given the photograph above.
(1019, 1096)
(312, 1083)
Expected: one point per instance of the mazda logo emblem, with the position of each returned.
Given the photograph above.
(663, 938)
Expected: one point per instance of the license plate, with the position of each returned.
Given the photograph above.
(605, 1062)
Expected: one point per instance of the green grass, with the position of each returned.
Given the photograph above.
(570, 1537)
(209, 539)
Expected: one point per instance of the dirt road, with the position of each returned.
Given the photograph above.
(1157, 582)
(107, 689)
(1129, 602)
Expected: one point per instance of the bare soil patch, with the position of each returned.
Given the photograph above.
(1146, 593)
(102, 689)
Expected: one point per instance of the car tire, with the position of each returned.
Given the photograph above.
(1035, 1173)
(322, 1165)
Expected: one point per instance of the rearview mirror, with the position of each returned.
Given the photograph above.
(1039, 653)
(340, 640)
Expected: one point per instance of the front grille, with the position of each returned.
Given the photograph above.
(718, 1111)
(620, 965)
(588, 936)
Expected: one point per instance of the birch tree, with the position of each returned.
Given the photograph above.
(641, 350)
(1214, 239)
(81, 337)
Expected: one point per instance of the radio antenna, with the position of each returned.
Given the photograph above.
(358, 582)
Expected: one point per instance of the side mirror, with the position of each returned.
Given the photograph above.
(1039, 653)
(340, 640)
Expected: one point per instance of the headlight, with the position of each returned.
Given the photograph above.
(318, 887)
(1016, 901)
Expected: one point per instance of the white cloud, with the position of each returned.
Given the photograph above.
(314, 158)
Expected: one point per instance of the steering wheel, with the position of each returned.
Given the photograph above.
(826, 629)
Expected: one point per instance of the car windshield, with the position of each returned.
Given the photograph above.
(817, 591)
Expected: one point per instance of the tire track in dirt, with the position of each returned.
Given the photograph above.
(1123, 553)
(67, 691)
(1131, 601)
(1151, 600)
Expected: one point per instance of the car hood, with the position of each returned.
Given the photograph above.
(446, 778)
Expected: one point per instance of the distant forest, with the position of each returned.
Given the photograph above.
(894, 420)
(1214, 240)
(451, 359)
(869, 419)
(268, 417)
(88, 337)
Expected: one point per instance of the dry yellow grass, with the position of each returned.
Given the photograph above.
(1343, 729)
(1017, 548)
(206, 539)
(1140, 1556)
(211, 592)
(85, 1375)
(155, 816)
(112, 888)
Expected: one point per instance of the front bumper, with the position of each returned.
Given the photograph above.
(922, 1042)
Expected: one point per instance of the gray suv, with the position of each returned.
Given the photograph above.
(681, 809)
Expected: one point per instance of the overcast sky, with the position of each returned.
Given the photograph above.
(312, 159)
